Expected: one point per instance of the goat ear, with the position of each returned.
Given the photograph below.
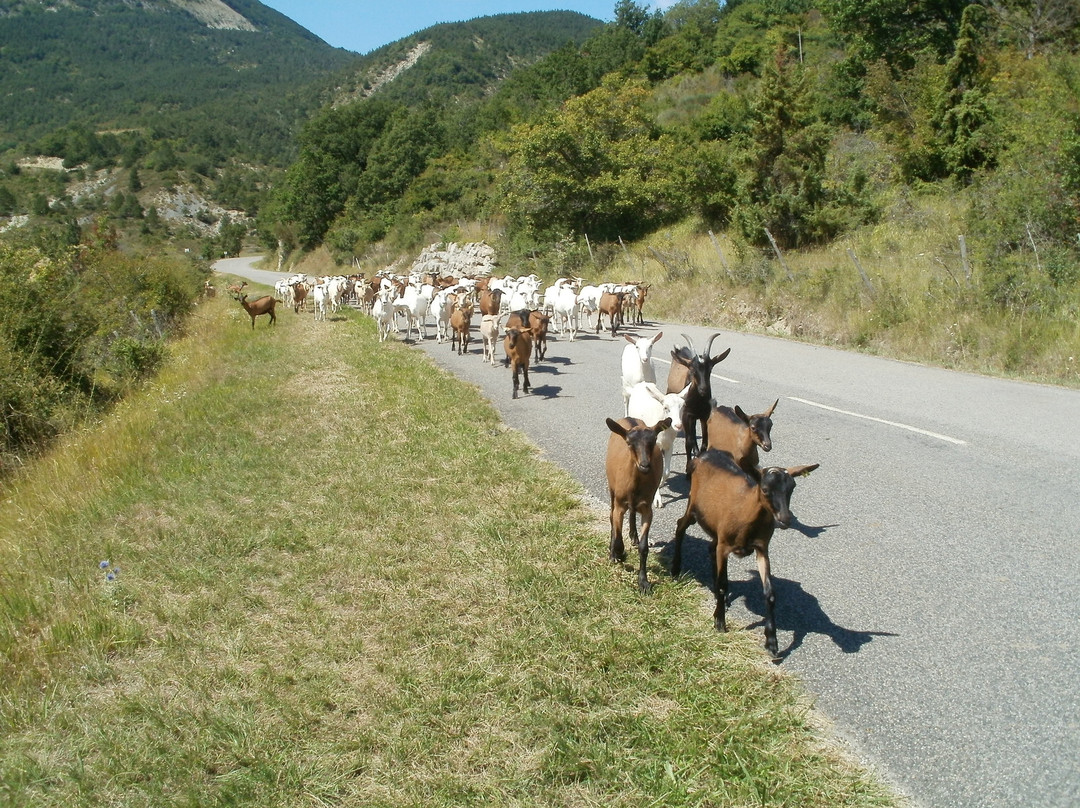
(629, 339)
(680, 359)
(742, 415)
(802, 471)
(656, 339)
(718, 359)
(769, 412)
(654, 391)
(662, 425)
(616, 427)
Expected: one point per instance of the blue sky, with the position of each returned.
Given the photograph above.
(364, 25)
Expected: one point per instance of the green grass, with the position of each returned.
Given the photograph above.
(325, 596)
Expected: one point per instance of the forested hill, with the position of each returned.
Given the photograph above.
(229, 75)
(465, 59)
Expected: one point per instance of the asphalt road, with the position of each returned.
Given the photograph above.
(927, 594)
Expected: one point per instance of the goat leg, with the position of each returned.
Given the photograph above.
(643, 547)
(616, 550)
(720, 587)
(770, 603)
(684, 522)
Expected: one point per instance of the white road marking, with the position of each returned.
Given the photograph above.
(945, 438)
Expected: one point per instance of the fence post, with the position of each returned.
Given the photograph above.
(862, 272)
(720, 253)
(779, 256)
(964, 258)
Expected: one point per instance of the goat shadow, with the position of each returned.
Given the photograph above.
(545, 391)
(797, 610)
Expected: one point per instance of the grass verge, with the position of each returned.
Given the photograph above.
(318, 594)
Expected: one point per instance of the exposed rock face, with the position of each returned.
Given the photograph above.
(475, 260)
(215, 14)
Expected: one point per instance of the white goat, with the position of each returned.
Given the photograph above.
(414, 305)
(649, 404)
(319, 295)
(382, 309)
(443, 306)
(489, 332)
(637, 365)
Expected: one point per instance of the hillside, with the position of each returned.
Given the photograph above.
(228, 76)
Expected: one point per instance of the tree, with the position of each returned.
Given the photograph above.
(598, 166)
(631, 16)
(963, 119)
(334, 150)
(1038, 24)
(896, 31)
(783, 185)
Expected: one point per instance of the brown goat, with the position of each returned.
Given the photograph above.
(639, 302)
(739, 514)
(611, 304)
(538, 322)
(635, 468)
(517, 345)
(460, 325)
(300, 292)
(732, 430)
(490, 300)
(264, 305)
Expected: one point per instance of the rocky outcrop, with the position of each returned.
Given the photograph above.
(215, 14)
(475, 260)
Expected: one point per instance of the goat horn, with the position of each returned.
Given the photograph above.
(708, 348)
(689, 343)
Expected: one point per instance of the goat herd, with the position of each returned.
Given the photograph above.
(736, 502)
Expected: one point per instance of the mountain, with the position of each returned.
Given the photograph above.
(233, 80)
(171, 65)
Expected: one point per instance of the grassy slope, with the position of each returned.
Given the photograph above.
(325, 598)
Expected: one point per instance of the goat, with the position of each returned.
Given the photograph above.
(634, 466)
(639, 302)
(319, 295)
(648, 404)
(637, 365)
(443, 306)
(489, 333)
(414, 304)
(264, 305)
(299, 290)
(382, 309)
(739, 513)
(236, 289)
(490, 300)
(517, 344)
(611, 304)
(734, 431)
(563, 303)
(539, 322)
(689, 368)
(460, 324)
